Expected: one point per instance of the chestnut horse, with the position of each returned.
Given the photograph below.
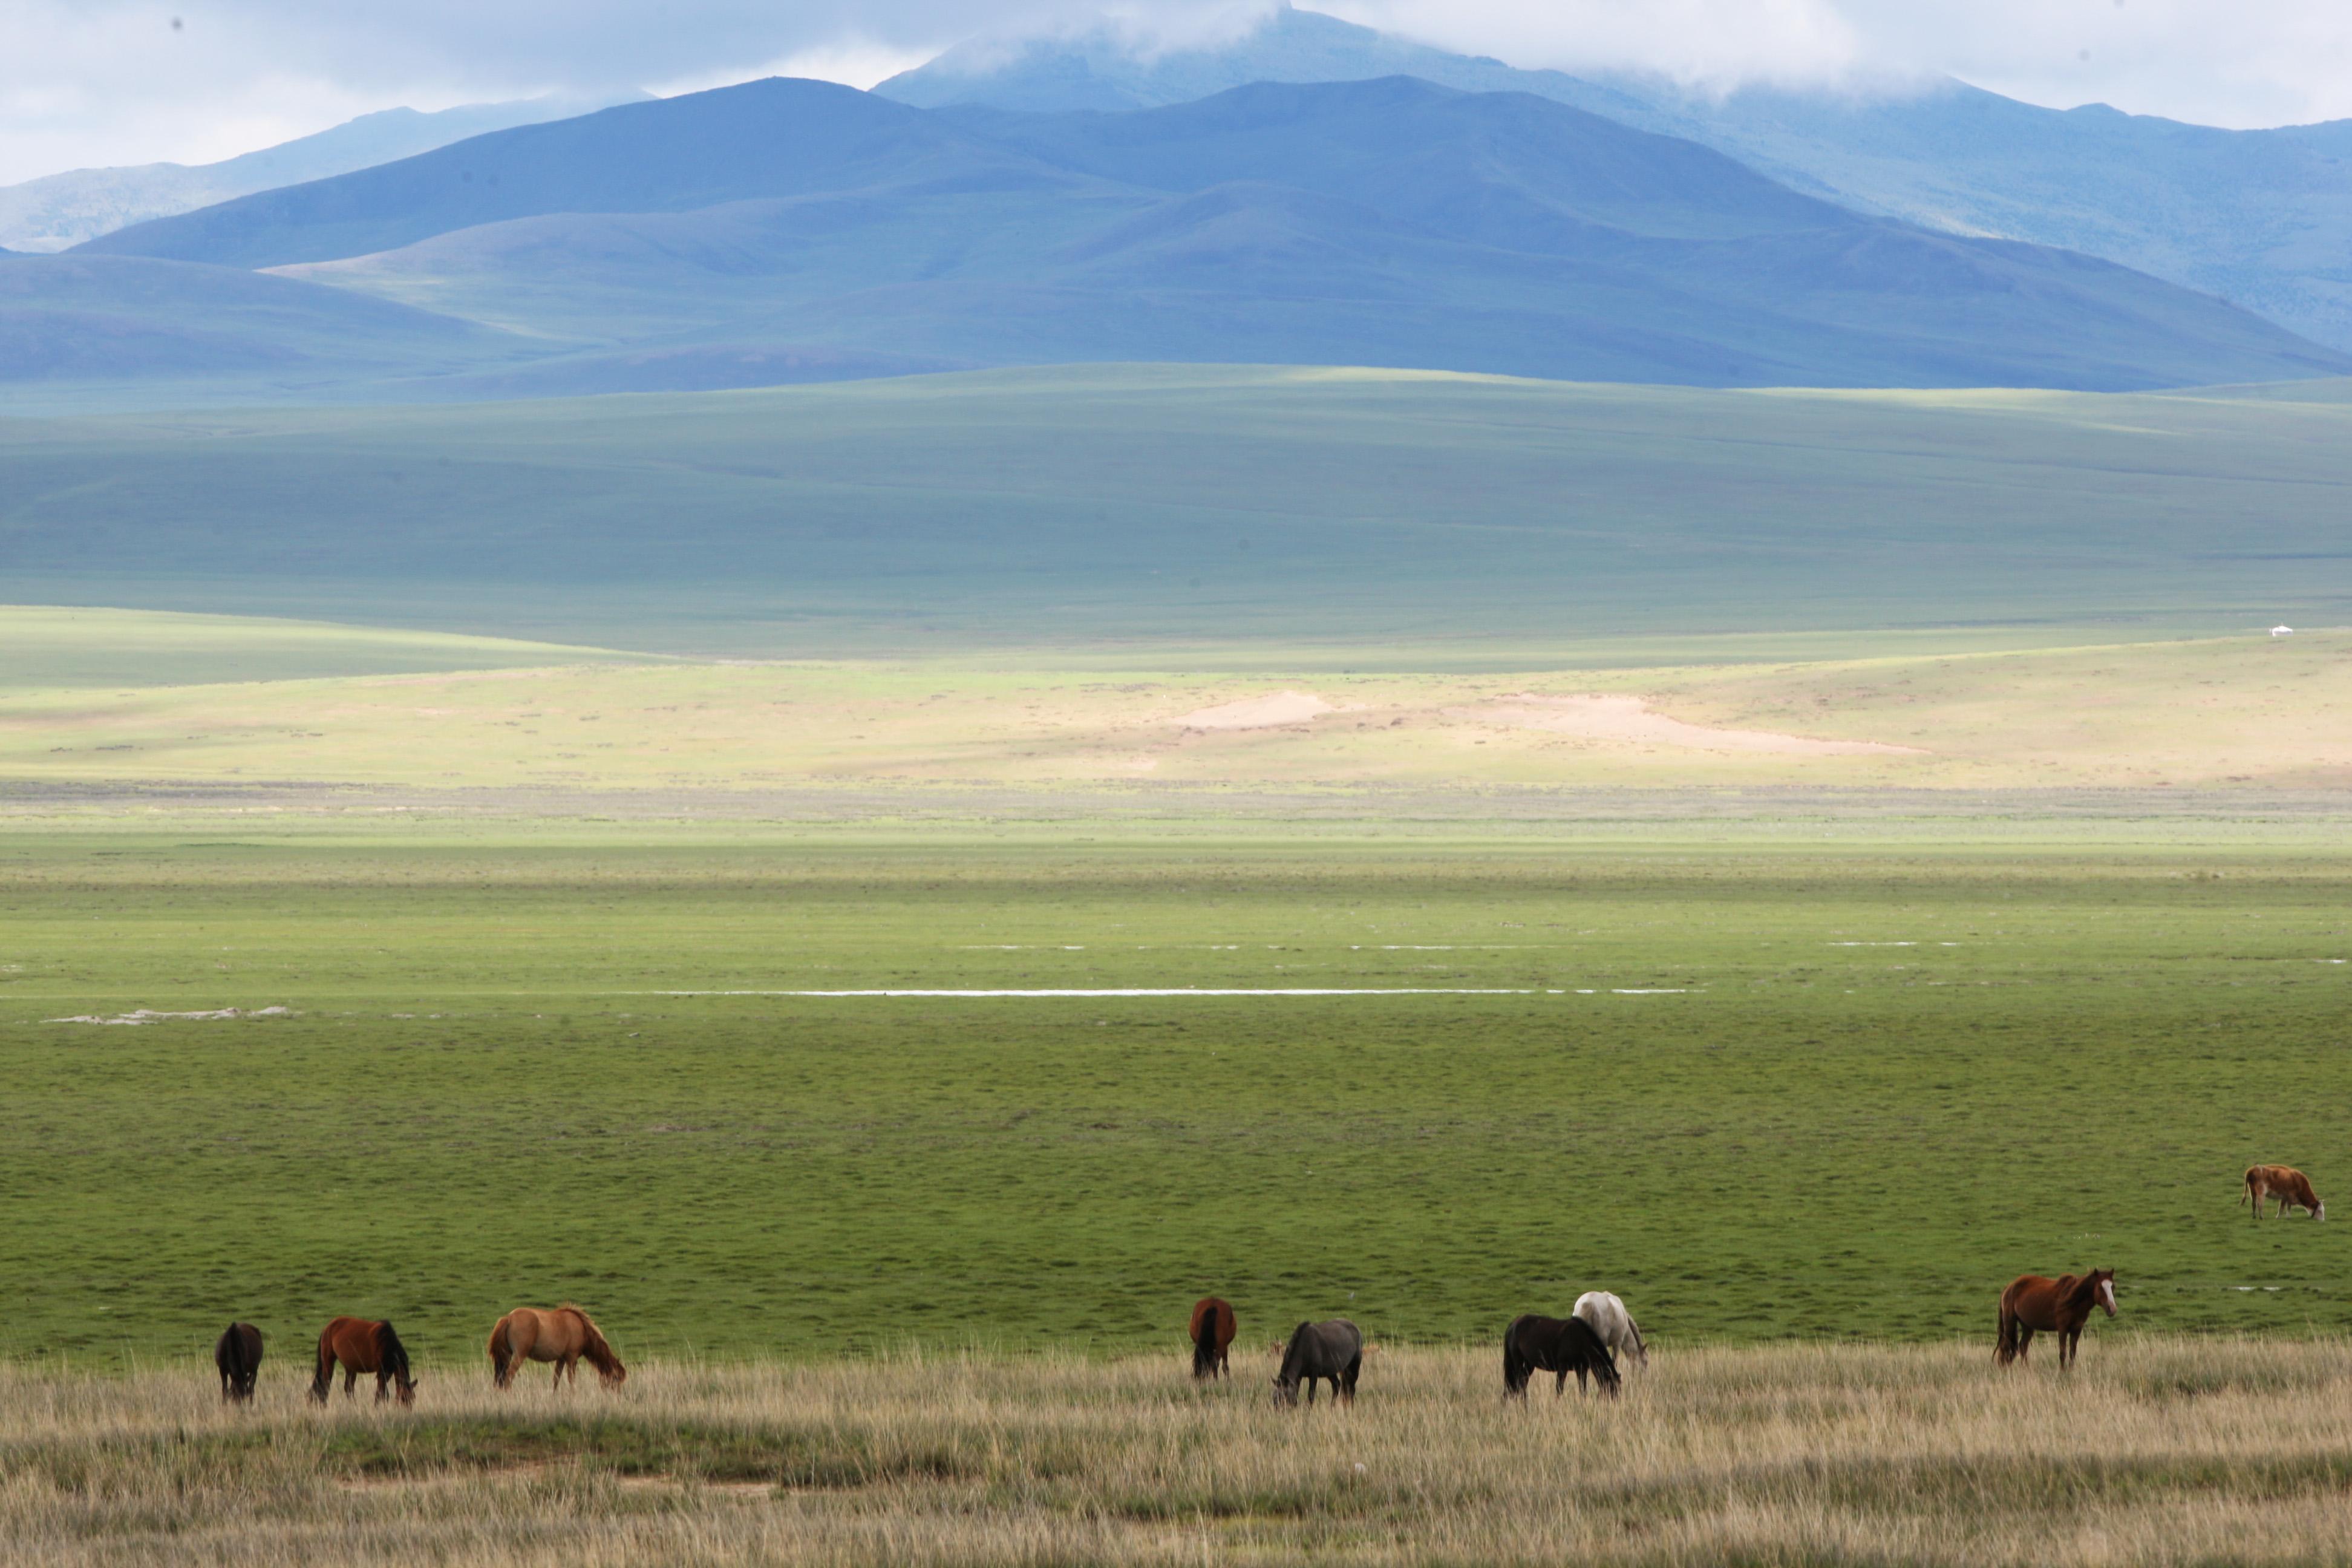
(363, 1345)
(2284, 1183)
(2060, 1306)
(1212, 1335)
(563, 1336)
(237, 1354)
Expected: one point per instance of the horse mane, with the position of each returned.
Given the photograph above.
(390, 1354)
(1292, 1351)
(598, 1350)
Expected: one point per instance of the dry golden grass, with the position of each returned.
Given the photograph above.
(2154, 1451)
(2215, 712)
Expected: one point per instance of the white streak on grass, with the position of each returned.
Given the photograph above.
(147, 1015)
(1138, 991)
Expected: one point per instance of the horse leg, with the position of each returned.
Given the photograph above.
(351, 1382)
(2024, 1340)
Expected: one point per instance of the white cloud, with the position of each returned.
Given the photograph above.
(98, 81)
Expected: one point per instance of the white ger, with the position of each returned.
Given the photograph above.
(1607, 1317)
(2282, 631)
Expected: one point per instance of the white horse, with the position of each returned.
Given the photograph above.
(1607, 1317)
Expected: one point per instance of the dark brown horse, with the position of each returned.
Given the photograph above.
(362, 1345)
(565, 1336)
(2034, 1304)
(237, 1354)
(1560, 1345)
(1212, 1335)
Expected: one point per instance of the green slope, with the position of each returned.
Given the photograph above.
(1143, 502)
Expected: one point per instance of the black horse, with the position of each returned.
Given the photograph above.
(237, 1354)
(1331, 1350)
(1561, 1345)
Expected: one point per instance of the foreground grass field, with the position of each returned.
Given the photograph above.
(2156, 1450)
(1766, 1089)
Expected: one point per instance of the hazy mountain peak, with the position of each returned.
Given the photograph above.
(59, 211)
(2261, 219)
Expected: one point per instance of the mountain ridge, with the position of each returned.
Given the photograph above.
(58, 211)
(1392, 222)
(2263, 218)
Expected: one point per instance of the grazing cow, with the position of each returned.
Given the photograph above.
(1332, 1349)
(2290, 1186)
(1211, 1332)
(1560, 1345)
(2060, 1306)
(1613, 1323)
(237, 1354)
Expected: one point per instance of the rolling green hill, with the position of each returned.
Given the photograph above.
(1153, 503)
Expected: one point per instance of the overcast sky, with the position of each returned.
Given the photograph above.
(86, 82)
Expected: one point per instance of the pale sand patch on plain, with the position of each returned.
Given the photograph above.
(1631, 720)
(1267, 712)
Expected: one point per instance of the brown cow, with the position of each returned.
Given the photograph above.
(2290, 1186)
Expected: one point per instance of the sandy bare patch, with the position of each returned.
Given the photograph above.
(1631, 720)
(1258, 712)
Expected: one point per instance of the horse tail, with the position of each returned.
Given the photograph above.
(1204, 1340)
(1641, 1346)
(2005, 1347)
(1517, 1368)
(501, 1350)
(324, 1377)
(248, 1353)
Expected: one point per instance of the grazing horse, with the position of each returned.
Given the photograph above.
(363, 1345)
(1613, 1323)
(237, 1354)
(1331, 1350)
(2060, 1306)
(564, 1336)
(1561, 1345)
(1212, 1335)
(2284, 1183)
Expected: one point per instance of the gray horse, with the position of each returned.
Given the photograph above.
(1333, 1349)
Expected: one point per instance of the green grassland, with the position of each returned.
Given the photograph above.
(1203, 507)
(1712, 1086)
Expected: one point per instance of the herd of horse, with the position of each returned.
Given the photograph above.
(1587, 1342)
(564, 1335)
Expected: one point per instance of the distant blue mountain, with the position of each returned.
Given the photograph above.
(96, 318)
(809, 228)
(59, 210)
(770, 138)
(2263, 218)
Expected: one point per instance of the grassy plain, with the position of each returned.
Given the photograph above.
(2156, 1450)
(1767, 1086)
(2246, 710)
(1157, 505)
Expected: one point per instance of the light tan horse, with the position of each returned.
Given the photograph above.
(565, 1336)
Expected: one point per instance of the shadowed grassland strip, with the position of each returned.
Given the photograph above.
(2158, 1449)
